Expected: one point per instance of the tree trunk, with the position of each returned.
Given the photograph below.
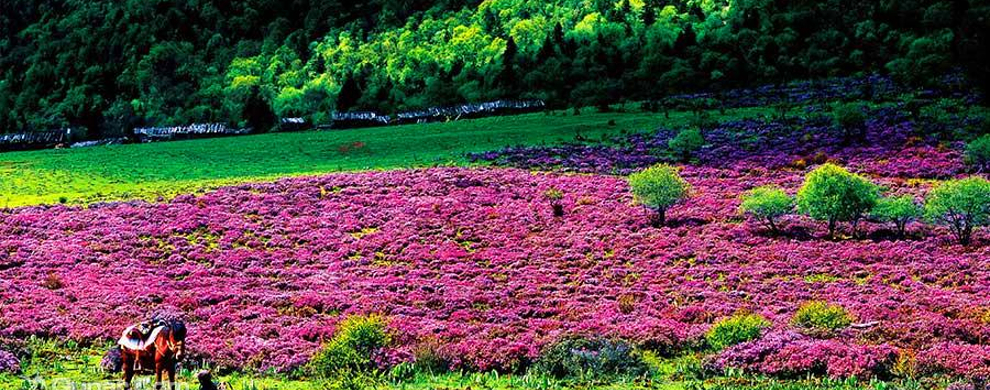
(659, 218)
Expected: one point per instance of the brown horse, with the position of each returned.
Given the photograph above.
(163, 354)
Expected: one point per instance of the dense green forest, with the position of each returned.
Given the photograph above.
(108, 66)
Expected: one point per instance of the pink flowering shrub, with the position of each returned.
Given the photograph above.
(793, 355)
(954, 358)
(837, 359)
(475, 262)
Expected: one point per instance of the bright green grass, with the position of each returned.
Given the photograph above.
(57, 365)
(474, 381)
(150, 171)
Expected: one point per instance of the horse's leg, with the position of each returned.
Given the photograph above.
(128, 367)
(159, 367)
(170, 370)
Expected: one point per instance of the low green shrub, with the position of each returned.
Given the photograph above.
(736, 329)
(686, 143)
(766, 204)
(851, 118)
(347, 361)
(584, 360)
(978, 152)
(555, 197)
(820, 315)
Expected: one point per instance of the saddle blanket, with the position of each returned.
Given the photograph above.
(138, 344)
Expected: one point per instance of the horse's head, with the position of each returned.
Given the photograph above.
(177, 339)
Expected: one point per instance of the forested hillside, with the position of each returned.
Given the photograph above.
(108, 66)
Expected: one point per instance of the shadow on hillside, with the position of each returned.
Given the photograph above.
(685, 222)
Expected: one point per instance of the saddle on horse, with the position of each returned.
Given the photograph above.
(140, 338)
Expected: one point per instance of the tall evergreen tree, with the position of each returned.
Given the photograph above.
(507, 77)
(257, 112)
(350, 94)
(649, 13)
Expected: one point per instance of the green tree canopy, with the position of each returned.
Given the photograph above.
(833, 194)
(658, 188)
(962, 205)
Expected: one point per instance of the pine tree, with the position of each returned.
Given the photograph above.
(257, 112)
(507, 78)
(558, 34)
(649, 13)
(547, 51)
(686, 40)
(349, 95)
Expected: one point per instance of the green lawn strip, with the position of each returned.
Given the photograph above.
(59, 365)
(80, 176)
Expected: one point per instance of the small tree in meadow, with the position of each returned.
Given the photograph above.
(766, 204)
(851, 118)
(555, 197)
(978, 152)
(833, 194)
(962, 205)
(899, 210)
(658, 188)
(686, 143)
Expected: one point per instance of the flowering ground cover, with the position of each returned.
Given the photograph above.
(893, 145)
(474, 263)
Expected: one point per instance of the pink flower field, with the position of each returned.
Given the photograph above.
(475, 261)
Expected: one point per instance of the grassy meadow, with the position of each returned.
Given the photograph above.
(56, 365)
(161, 170)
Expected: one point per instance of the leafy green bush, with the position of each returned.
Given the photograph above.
(555, 196)
(766, 204)
(851, 118)
(736, 329)
(583, 359)
(659, 187)
(899, 210)
(962, 205)
(686, 143)
(832, 194)
(821, 315)
(978, 152)
(348, 360)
